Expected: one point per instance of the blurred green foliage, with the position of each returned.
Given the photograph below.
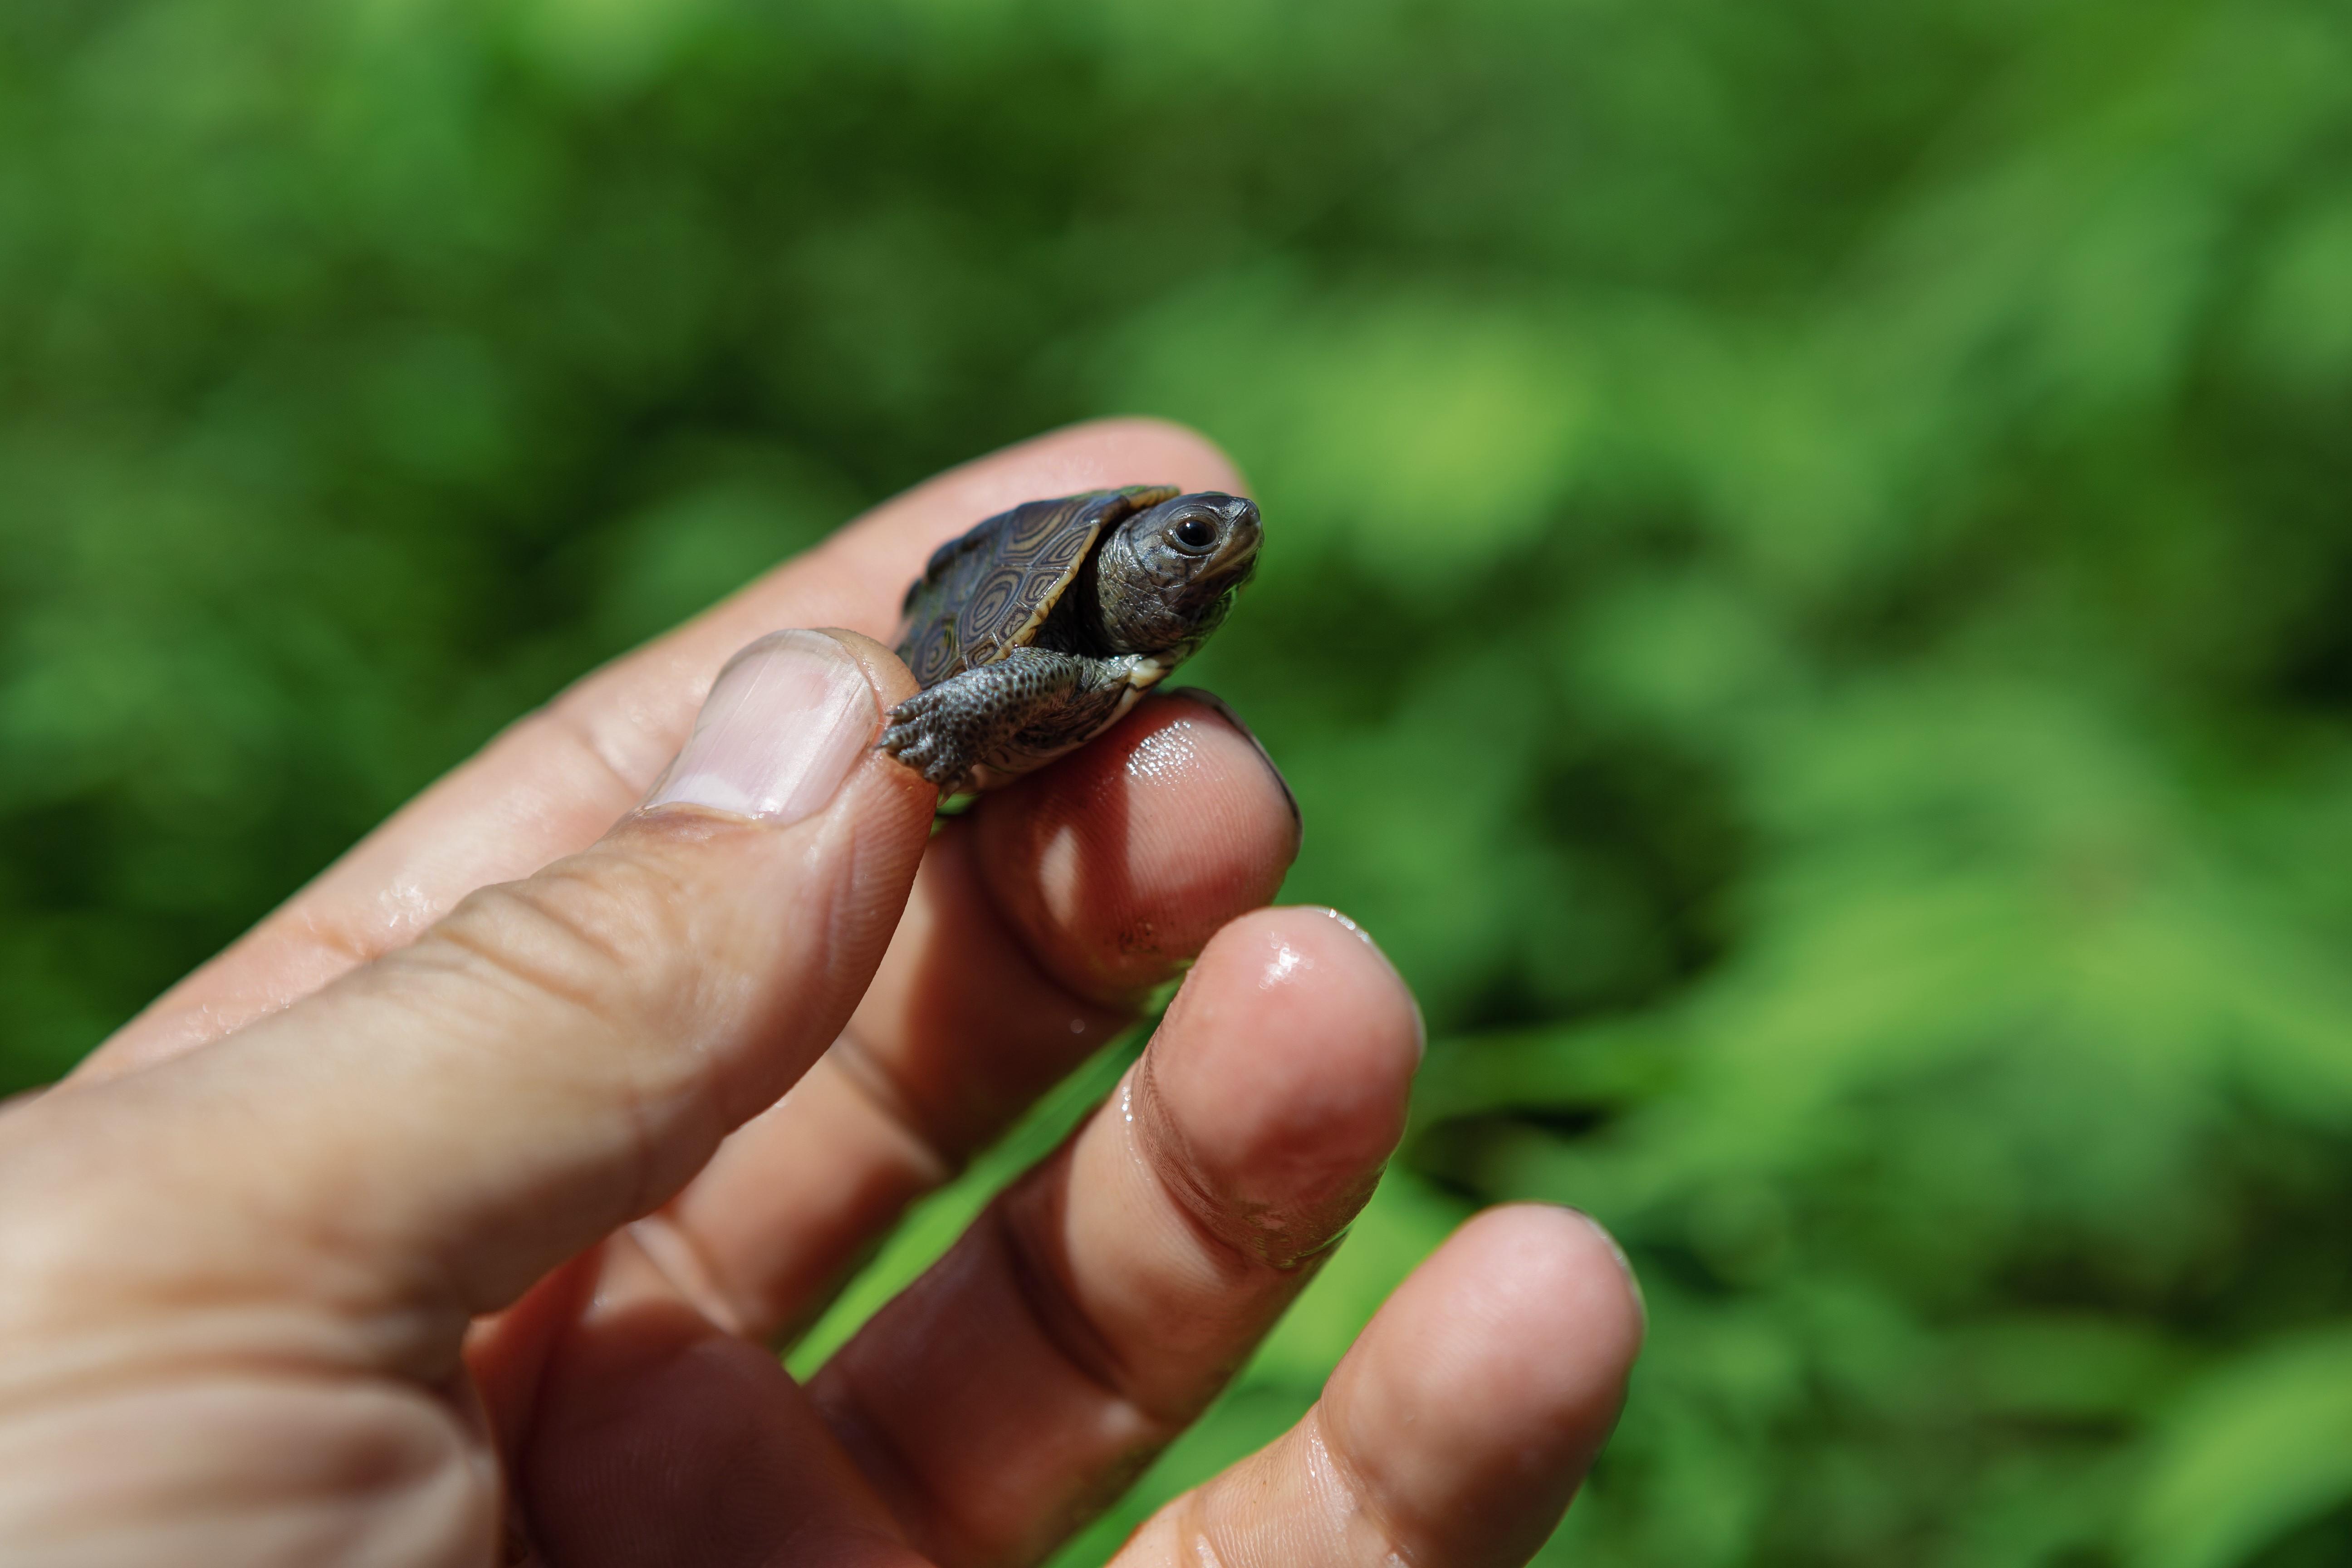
(1810, 608)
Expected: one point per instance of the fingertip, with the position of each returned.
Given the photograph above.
(1306, 971)
(1278, 1085)
(1392, 983)
(1119, 862)
(1201, 697)
(1552, 1275)
(1487, 1384)
(892, 683)
(884, 670)
(791, 718)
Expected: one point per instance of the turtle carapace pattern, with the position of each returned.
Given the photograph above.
(1033, 632)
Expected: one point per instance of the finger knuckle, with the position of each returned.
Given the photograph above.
(607, 941)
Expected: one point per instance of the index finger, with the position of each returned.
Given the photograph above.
(555, 781)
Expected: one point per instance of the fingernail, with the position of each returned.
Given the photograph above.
(786, 720)
(1224, 709)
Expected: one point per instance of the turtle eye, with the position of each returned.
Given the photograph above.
(1196, 534)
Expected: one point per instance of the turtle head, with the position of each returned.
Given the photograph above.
(1166, 576)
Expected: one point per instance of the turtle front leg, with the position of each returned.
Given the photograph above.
(1030, 703)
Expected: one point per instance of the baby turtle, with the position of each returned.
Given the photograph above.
(1035, 632)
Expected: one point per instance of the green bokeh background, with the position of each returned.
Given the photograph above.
(1810, 608)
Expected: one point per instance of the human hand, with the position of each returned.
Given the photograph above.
(431, 1225)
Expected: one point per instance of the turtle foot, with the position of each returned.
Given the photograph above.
(917, 737)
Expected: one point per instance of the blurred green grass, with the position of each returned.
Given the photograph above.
(1810, 608)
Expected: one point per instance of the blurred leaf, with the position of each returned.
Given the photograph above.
(2262, 1446)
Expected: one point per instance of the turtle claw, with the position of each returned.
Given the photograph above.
(923, 745)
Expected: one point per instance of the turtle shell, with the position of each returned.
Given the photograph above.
(987, 593)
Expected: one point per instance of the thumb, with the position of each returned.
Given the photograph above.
(435, 1131)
